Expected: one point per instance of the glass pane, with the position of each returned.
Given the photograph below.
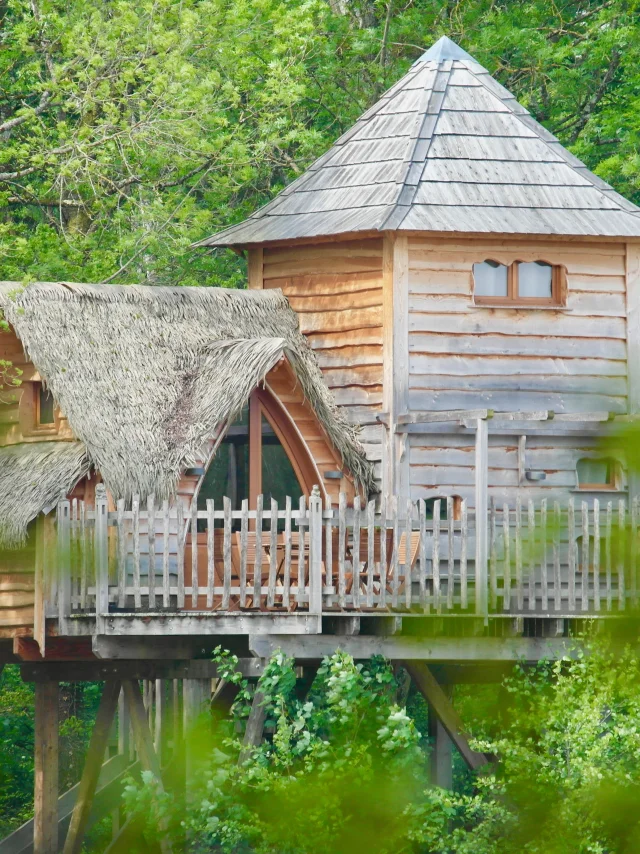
(228, 474)
(278, 476)
(490, 279)
(534, 280)
(595, 472)
(45, 408)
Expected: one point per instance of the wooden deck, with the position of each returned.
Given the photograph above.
(571, 560)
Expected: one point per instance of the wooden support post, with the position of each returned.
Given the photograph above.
(124, 728)
(161, 721)
(45, 827)
(196, 699)
(255, 726)
(428, 686)
(482, 534)
(92, 766)
(441, 759)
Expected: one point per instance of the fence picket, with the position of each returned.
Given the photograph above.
(244, 541)
(493, 555)
(571, 534)
(544, 578)
(584, 562)
(342, 544)
(371, 510)
(436, 558)
(226, 551)
(383, 555)
(355, 554)
(464, 532)
(273, 554)
(301, 549)
(151, 533)
(506, 559)
(557, 575)
(211, 557)
(122, 554)
(166, 536)
(181, 535)
(408, 557)
(422, 517)
(195, 581)
(83, 556)
(257, 566)
(531, 547)
(137, 595)
(596, 554)
(328, 544)
(451, 555)
(286, 584)
(607, 553)
(519, 581)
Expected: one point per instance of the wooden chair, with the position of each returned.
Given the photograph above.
(404, 560)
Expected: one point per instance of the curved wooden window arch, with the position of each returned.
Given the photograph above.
(263, 402)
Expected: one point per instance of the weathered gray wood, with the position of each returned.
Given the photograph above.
(607, 554)
(622, 536)
(584, 579)
(93, 762)
(211, 566)
(493, 555)
(571, 534)
(181, 534)
(328, 543)
(506, 560)
(342, 545)
(450, 557)
(286, 585)
(64, 563)
(244, 540)
(302, 524)
(531, 545)
(428, 686)
(464, 533)
(151, 534)
(355, 554)
(135, 529)
(370, 551)
(166, 534)
(422, 517)
(83, 547)
(481, 486)
(596, 554)
(122, 554)
(435, 557)
(226, 546)
(408, 554)
(273, 554)
(45, 828)
(395, 565)
(255, 726)
(315, 552)
(519, 580)
(544, 552)
(194, 553)
(384, 557)
(557, 577)
(257, 566)
(101, 535)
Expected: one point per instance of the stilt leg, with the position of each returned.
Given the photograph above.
(45, 826)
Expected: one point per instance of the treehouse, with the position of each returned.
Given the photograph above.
(400, 422)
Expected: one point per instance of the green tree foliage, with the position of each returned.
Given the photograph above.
(129, 130)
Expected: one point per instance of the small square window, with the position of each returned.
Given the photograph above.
(597, 474)
(535, 280)
(46, 408)
(490, 279)
(527, 283)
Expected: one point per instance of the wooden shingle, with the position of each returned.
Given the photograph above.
(447, 149)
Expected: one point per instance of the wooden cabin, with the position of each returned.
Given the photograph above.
(400, 419)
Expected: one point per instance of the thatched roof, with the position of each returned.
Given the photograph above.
(34, 478)
(148, 375)
(447, 149)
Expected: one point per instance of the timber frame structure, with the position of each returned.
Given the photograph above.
(405, 438)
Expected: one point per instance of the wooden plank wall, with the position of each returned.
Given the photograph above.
(463, 357)
(17, 413)
(336, 289)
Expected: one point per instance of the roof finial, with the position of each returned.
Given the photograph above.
(443, 49)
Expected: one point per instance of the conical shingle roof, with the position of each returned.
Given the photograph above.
(447, 149)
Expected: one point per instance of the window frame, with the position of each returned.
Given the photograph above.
(30, 412)
(512, 297)
(614, 484)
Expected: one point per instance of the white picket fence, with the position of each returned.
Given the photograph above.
(574, 558)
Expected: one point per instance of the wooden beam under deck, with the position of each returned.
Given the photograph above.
(441, 649)
(88, 671)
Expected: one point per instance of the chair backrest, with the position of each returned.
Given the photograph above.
(251, 546)
(413, 548)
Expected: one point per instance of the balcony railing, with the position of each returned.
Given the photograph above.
(539, 559)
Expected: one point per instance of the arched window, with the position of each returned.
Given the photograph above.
(252, 459)
(456, 507)
(595, 473)
(490, 279)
